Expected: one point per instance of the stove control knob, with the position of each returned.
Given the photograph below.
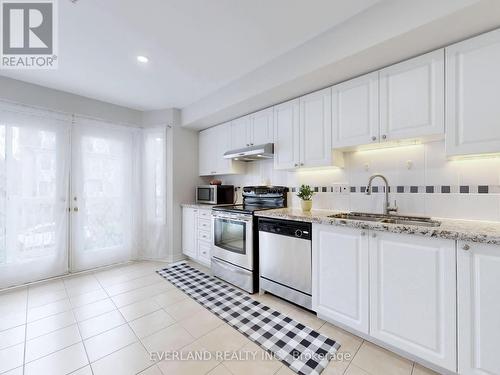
(298, 233)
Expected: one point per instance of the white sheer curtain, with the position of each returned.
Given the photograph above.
(34, 177)
(105, 180)
(154, 244)
(77, 193)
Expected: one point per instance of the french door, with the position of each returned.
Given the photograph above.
(69, 194)
(102, 195)
(34, 185)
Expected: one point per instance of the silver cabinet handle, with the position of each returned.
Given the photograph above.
(466, 247)
(384, 136)
(374, 235)
(301, 164)
(374, 138)
(75, 209)
(296, 164)
(363, 233)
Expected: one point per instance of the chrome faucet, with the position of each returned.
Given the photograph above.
(387, 207)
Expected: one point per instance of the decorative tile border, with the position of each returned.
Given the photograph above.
(403, 189)
(410, 189)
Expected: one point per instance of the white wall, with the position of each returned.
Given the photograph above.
(393, 30)
(429, 167)
(43, 97)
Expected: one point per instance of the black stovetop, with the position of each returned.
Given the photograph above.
(257, 198)
(244, 208)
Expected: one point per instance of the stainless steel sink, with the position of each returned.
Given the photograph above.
(357, 216)
(388, 219)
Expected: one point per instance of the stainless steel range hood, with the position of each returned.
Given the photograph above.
(251, 153)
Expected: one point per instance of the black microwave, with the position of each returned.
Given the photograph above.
(215, 194)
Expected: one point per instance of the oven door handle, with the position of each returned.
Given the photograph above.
(229, 268)
(237, 220)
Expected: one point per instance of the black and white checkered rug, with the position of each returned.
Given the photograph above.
(301, 348)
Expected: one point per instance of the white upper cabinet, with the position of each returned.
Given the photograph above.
(355, 112)
(316, 129)
(340, 276)
(412, 98)
(303, 133)
(478, 308)
(413, 295)
(472, 92)
(223, 143)
(261, 127)
(212, 144)
(240, 131)
(286, 135)
(206, 152)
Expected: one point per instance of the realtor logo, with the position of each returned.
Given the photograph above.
(29, 31)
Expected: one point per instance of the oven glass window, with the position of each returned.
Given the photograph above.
(230, 235)
(205, 194)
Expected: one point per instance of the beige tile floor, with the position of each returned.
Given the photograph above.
(108, 321)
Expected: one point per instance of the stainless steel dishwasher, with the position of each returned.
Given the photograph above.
(285, 259)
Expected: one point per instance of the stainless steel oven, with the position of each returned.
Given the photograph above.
(232, 251)
(235, 250)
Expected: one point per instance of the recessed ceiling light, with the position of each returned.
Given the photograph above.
(142, 59)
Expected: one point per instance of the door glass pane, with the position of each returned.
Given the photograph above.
(32, 196)
(159, 178)
(230, 235)
(3, 197)
(103, 174)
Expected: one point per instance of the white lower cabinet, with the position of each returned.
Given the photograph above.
(398, 289)
(189, 231)
(197, 234)
(340, 275)
(478, 309)
(413, 295)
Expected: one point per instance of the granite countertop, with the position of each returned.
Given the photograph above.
(466, 230)
(199, 206)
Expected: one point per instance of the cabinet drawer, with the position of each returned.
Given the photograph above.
(204, 250)
(204, 224)
(205, 214)
(204, 236)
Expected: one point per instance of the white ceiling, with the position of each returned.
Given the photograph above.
(195, 46)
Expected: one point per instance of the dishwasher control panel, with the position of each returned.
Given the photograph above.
(286, 228)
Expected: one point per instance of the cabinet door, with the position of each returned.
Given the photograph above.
(355, 112)
(204, 252)
(340, 275)
(413, 295)
(240, 130)
(261, 127)
(286, 135)
(189, 231)
(222, 142)
(472, 92)
(478, 308)
(316, 129)
(206, 162)
(412, 98)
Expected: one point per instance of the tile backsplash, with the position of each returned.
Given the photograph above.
(422, 181)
